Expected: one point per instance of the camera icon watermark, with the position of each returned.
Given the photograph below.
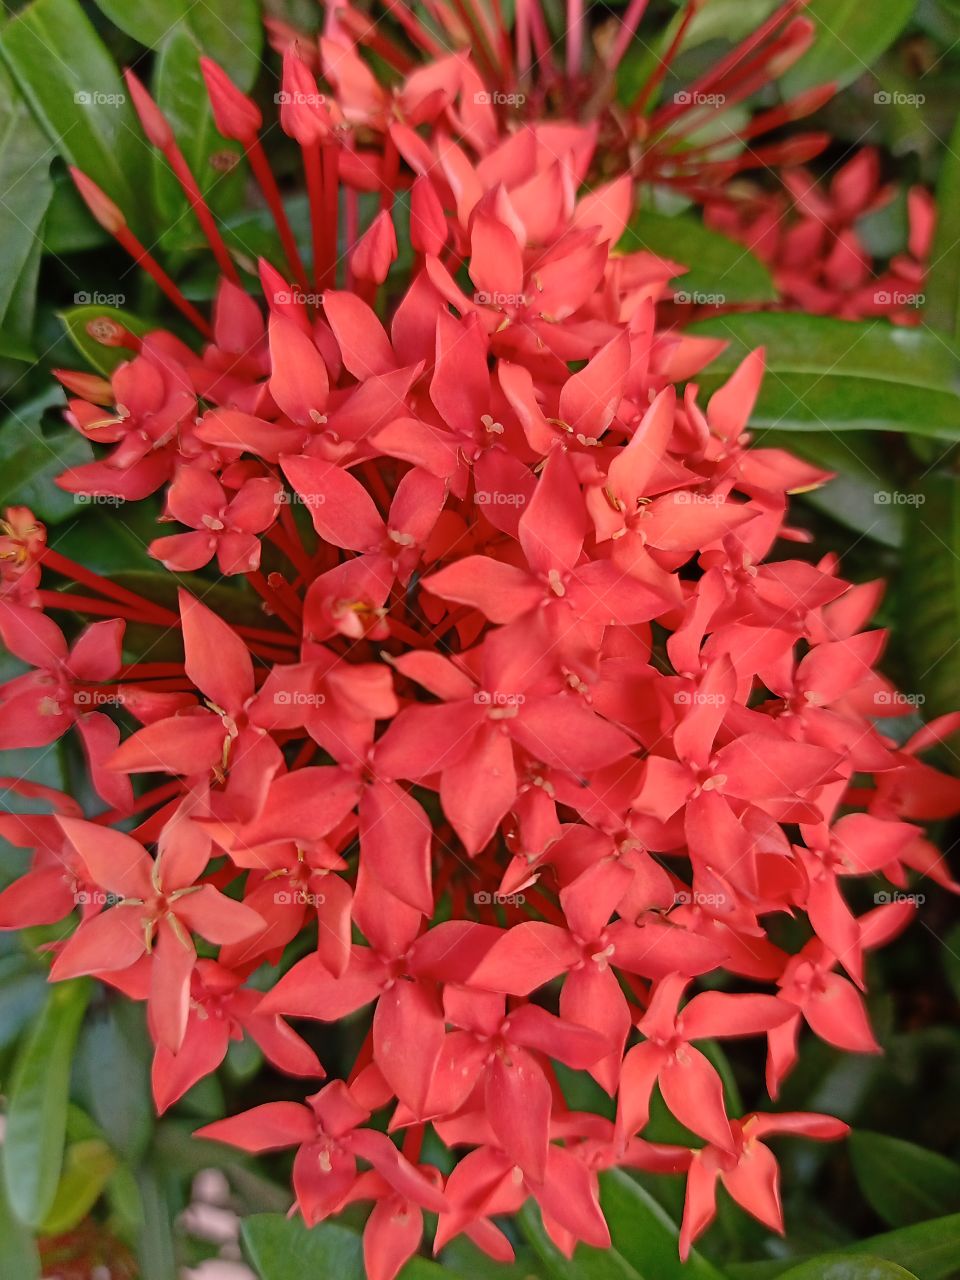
(898, 498)
(692, 98)
(697, 298)
(886, 897)
(895, 98)
(97, 299)
(98, 500)
(297, 99)
(298, 897)
(498, 698)
(96, 698)
(94, 98)
(499, 99)
(298, 698)
(898, 298)
(894, 698)
(485, 899)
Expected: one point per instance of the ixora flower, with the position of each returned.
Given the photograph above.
(534, 733)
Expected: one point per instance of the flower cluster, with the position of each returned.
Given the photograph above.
(541, 725)
(808, 236)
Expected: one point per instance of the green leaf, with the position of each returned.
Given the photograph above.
(26, 186)
(850, 37)
(836, 375)
(87, 324)
(839, 1266)
(18, 1253)
(644, 1240)
(902, 1182)
(229, 31)
(929, 1250)
(70, 80)
(37, 1110)
(86, 1169)
(942, 286)
(181, 94)
(856, 497)
(280, 1248)
(113, 1076)
(31, 459)
(720, 270)
(928, 598)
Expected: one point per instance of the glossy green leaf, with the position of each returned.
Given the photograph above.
(71, 82)
(858, 495)
(38, 1099)
(230, 31)
(18, 1253)
(850, 36)
(942, 286)
(280, 1248)
(835, 375)
(87, 1167)
(840, 1266)
(86, 325)
(644, 1240)
(903, 1182)
(31, 459)
(113, 1075)
(929, 1250)
(720, 270)
(928, 597)
(179, 89)
(26, 186)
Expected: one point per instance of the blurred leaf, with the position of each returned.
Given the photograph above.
(155, 1248)
(858, 495)
(942, 286)
(836, 375)
(25, 185)
(22, 990)
(113, 1072)
(720, 269)
(839, 1267)
(645, 1240)
(850, 36)
(462, 1258)
(37, 1109)
(31, 459)
(902, 1182)
(229, 31)
(83, 325)
(70, 80)
(19, 1258)
(87, 1167)
(930, 1250)
(929, 592)
(280, 1248)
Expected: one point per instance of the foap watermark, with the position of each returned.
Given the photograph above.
(498, 698)
(687, 498)
(298, 99)
(898, 498)
(96, 299)
(98, 500)
(697, 298)
(485, 899)
(499, 99)
(298, 698)
(894, 698)
(886, 896)
(298, 297)
(96, 698)
(895, 98)
(298, 897)
(96, 898)
(498, 498)
(691, 898)
(697, 698)
(290, 498)
(898, 298)
(693, 98)
(484, 299)
(96, 98)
